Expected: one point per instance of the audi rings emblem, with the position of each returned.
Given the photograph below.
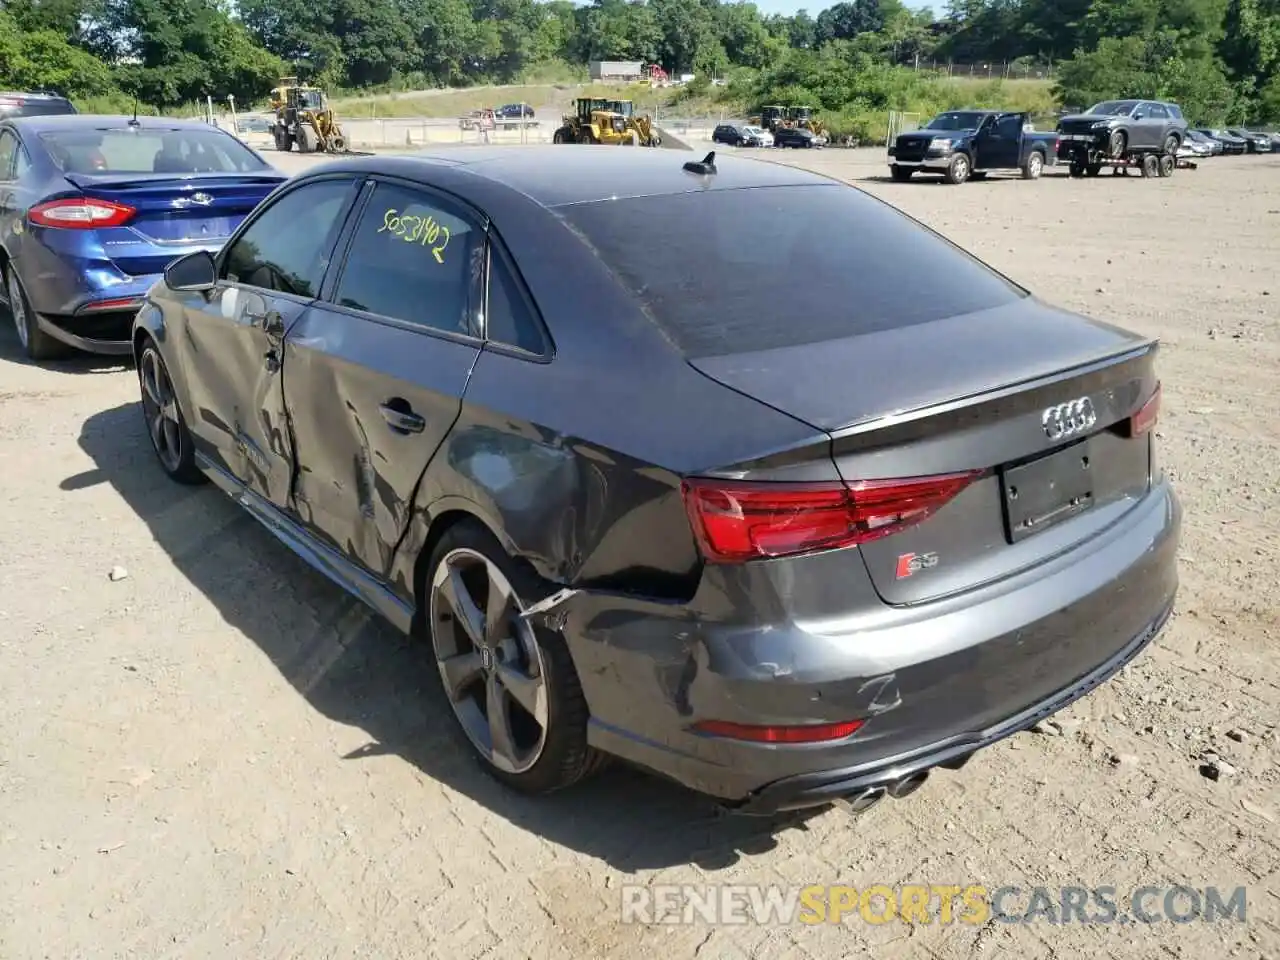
(1068, 419)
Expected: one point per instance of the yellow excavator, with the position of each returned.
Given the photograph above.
(609, 122)
(303, 117)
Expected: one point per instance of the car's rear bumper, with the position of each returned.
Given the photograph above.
(107, 332)
(818, 788)
(932, 682)
(98, 320)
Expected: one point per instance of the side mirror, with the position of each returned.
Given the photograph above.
(196, 272)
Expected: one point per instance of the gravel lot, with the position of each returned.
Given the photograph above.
(220, 755)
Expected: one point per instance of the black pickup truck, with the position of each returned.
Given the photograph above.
(961, 144)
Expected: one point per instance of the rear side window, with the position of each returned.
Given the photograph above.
(414, 258)
(8, 154)
(128, 150)
(735, 271)
(509, 317)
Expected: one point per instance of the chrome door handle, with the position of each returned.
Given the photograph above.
(403, 420)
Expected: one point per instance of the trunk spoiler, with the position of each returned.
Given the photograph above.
(116, 181)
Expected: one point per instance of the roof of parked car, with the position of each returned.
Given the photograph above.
(92, 121)
(553, 175)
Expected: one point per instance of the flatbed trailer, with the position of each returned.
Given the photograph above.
(1083, 158)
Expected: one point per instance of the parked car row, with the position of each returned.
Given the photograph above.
(1237, 140)
(566, 462)
(749, 135)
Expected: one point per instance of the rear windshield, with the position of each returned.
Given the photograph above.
(34, 108)
(734, 271)
(149, 150)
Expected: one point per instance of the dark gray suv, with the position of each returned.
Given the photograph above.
(1115, 128)
(784, 555)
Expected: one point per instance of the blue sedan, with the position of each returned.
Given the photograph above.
(92, 209)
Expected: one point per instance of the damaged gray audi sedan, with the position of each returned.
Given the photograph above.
(530, 406)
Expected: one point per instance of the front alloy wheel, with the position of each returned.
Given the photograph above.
(165, 426)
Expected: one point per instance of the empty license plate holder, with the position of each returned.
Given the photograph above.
(1046, 491)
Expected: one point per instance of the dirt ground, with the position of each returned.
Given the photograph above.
(220, 755)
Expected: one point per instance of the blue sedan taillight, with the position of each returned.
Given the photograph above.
(80, 213)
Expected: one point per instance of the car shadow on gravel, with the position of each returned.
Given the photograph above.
(78, 362)
(359, 671)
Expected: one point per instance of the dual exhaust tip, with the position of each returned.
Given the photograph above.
(898, 790)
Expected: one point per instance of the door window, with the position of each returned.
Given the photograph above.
(414, 257)
(286, 248)
(1010, 127)
(1157, 111)
(8, 153)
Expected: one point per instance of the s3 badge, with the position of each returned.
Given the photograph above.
(910, 564)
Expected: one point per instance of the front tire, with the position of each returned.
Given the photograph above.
(958, 170)
(36, 344)
(512, 685)
(1118, 144)
(166, 426)
(900, 173)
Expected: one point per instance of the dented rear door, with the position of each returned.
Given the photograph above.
(374, 373)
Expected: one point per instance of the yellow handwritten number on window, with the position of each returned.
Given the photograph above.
(422, 230)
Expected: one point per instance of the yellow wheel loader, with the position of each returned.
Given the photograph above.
(303, 117)
(611, 122)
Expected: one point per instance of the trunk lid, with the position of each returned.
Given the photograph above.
(1036, 398)
(187, 212)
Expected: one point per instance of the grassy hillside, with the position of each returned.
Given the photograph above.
(1033, 96)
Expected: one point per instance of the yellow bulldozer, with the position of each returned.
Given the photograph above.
(612, 122)
(303, 117)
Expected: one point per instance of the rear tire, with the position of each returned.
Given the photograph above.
(1167, 164)
(563, 135)
(1034, 166)
(1150, 165)
(555, 753)
(36, 344)
(958, 170)
(1171, 144)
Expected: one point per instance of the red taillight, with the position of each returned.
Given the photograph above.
(1146, 418)
(736, 521)
(80, 214)
(806, 733)
(11, 102)
(124, 303)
